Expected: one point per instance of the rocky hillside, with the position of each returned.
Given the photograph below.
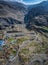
(43, 5)
(37, 18)
(12, 9)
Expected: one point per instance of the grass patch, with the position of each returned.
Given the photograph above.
(20, 41)
(10, 39)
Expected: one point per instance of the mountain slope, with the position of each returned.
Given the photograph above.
(39, 9)
(37, 18)
(43, 4)
(12, 9)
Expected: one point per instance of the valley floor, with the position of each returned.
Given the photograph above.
(23, 47)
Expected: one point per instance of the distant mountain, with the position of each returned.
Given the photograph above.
(39, 9)
(13, 9)
(44, 3)
(37, 17)
(36, 10)
(11, 13)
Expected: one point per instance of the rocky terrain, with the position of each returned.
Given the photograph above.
(14, 10)
(37, 17)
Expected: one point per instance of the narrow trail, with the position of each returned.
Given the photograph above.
(16, 60)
